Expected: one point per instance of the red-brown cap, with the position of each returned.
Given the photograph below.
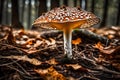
(73, 15)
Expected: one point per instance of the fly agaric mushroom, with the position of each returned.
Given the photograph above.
(66, 19)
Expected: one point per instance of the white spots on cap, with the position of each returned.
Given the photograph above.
(69, 14)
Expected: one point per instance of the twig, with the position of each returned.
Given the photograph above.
(24, 58)
(22, 68)
(22, 73)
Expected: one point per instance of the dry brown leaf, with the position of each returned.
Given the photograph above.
(30, 41)
(103, 50)
(50, 74)
(99, 46)
(51, 42)
(76, 41)
(110, 36)
(31, 50)
(51, 61)
(21, 32)
(38, 43)
(71, 78)
(107, 51)
(77, 67)
(74, 66)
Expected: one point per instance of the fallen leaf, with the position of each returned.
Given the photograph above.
(71, 78)
(21, 32)
(99, 46)
(110, 36)
(77, 67)
(74, 66)
(52, 41)
(30, 41)
(51, 61)
(50, 74)
(38, 43)
(104, 49)
(76, 41)
(107, 51)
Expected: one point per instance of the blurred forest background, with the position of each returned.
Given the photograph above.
(22, 13)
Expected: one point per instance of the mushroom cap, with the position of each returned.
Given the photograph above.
(63, 17)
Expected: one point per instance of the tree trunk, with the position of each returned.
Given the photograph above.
(81, 3)
(118, 14)
(93, 6)
(105, 11)
(15, 15)
(86, 3)
(23, 9)
(29, 14)
(65, 2)
(1, 10)
(75, 3)
(36, 8)
(6, 12)
(42, 7)
(55, 3)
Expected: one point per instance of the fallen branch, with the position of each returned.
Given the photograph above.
(82, 33)
(90, 35)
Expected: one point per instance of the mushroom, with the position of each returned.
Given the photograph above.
(66, 19)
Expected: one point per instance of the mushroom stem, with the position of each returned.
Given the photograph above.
(67, 34)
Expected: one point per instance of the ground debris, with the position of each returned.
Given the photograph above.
(33, 55)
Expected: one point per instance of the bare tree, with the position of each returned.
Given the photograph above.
(93, 6)
(6, 12)
(1, 10)
(118, 14)
(42, 7)
(65, 2)
(55, 3)
(86, 3)
(29, 14)
(105, 12)
(80, 3)
(23, 9)
(75, 3)
(15, 15)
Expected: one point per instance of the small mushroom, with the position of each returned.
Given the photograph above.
(66, 19)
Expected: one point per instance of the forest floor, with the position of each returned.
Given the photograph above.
(34, 55)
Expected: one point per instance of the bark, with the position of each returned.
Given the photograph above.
(23, 9)
(42, 7)
(6, 12)
(65, 2)
(15, 15)
(75, 3)
(54, 3)
(29, 14)
(81, 3)
(118, 14)
(93, 6)
(105, 12)
(1, 10)
(86, 3)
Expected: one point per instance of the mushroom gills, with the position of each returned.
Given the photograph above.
(67, 25)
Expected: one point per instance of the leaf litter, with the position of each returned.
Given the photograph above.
(38, 55)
